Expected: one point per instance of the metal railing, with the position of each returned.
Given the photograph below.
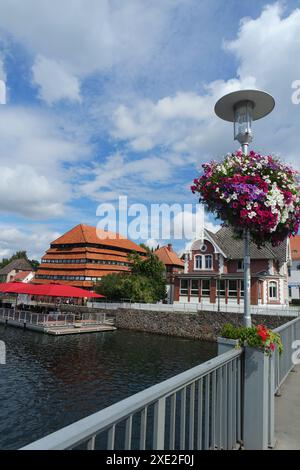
(283, 363)
(182, 307)
(51, 319)
(197, 409)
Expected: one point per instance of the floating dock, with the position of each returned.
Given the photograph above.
(62, 325)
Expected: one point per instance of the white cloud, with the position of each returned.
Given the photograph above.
(120, 175)
(184, 123)
(26, 192)
(55, 82)
(2, 92)
(35, 240)
(86, 37)
(33, 149)
(267, 51)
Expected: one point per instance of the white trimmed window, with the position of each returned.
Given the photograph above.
(198, 262)
(194, 287)
(273, 290)
(203, 262)
(184, 286)
(232, 288)
(205, 288)
(208, 262)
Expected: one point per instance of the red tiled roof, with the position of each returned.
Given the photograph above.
(20, 276)
(87, 234)
(295, 247)
(168, 256)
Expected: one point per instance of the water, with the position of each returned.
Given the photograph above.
(49, 382)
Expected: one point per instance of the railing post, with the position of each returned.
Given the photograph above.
(159, 424)
(256, 399)
(271, 410)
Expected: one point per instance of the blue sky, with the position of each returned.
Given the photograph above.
(109, 98)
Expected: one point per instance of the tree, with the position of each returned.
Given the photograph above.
(20, 255)
(146, 283)
(35, 264)
(17, 255)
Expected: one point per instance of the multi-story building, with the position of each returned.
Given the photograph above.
(173, 265)
(83, 255)
(294, 271)
(214, 272)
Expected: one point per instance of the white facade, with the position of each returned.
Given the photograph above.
(294, 280)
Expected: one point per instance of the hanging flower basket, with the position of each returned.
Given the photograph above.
(252, 192)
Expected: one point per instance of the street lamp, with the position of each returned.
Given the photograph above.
(242, 107)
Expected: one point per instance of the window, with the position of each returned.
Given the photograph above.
(205, 291)
(198, 262)
(208, 261)
(232, 288)
(273, 290)
(290, 292)
(240, 265)
(241, 288)
(183, 287)
(221, 283)
(194, 288)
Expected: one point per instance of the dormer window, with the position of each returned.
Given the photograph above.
(203, 262)
(198, 262)
(208, 261)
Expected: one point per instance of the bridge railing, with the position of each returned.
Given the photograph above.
(192, 308)
(283, 363)
(197, 409)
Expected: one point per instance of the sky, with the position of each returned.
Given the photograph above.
(116, 98)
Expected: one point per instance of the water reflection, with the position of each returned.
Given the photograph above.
(50, 382)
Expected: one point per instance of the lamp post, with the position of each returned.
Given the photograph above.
(241, 108)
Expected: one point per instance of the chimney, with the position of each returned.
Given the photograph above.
(170, 247)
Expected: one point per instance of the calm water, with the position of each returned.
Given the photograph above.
(50, 382)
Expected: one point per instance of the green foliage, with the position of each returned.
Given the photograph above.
(146, 282)
(17, 255)
(34, 263)
(255, 337)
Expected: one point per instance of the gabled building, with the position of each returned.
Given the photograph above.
(294, 271)
(17, 268)
(214, 271)
(173, 265)
(83, 255)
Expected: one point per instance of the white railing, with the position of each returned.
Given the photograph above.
(53, 319)
(183, 307)
(198, 409)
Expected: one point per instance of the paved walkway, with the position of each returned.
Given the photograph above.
(287, 413)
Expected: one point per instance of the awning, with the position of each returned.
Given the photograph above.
(50, 290)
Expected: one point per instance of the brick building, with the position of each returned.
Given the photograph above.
(83, 255)
(214, 272)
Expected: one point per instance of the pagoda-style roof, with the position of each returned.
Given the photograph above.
(88, 235)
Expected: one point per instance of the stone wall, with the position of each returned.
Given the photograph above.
(204, 325)
(201, 325)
